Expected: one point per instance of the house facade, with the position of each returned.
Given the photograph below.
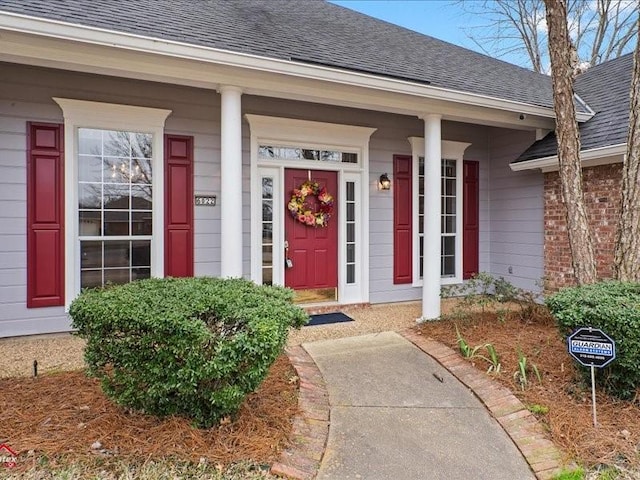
(171, 138)
(605, 89)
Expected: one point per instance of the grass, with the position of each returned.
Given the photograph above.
(60, 468)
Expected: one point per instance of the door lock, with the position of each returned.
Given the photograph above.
(288, 263)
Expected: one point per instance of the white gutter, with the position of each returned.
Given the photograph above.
(99, 36)
(589, 158)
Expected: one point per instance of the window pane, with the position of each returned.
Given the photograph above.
(267, 255)
(90, 195)
(351, 274)
(117, 276)
(141, 223)
(141, 198)
(89, 168)
(140, 171)
(310, 154)
(450, 187)
(116, 254)
(141, 145)
(351, 191)
(351, 232)
(116, 170)
(450, 205)
(349, 158)
(89, 223)
(116, 223)
(267, 187)
(90, 278)
(140, 273)
(267, 210)
(351, 212)
(267, 233)
(330, 156)
(141, 253)
(267, 276)
(449, 245)
(449, 224)
(89, 141)
(448, 266)
(116, 197)
(116, 144)
(91, 254)
(351, 253)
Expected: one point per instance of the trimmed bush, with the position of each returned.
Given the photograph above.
(193, 347)
(613, 307)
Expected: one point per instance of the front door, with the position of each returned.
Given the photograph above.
(311, 251)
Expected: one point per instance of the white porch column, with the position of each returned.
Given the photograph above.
(431, 249)
(231, 182)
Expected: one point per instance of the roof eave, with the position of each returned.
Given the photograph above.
(104, 37)
(589, 158)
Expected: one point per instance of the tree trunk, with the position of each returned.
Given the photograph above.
(563, 60)
(627, 258)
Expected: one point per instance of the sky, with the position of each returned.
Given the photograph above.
(442, 19)
(446, 20)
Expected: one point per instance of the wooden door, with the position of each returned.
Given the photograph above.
(312, 250)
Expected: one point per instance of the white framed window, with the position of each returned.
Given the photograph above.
(113, 193)
(450, 209)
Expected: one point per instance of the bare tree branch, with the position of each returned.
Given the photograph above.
(600, 29)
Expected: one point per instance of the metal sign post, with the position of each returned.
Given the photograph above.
(593, 348)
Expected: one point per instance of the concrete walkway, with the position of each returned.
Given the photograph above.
(396, 413)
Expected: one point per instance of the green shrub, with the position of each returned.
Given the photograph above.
(613, 307)
(193, 347)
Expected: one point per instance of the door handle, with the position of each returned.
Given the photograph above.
(288, 263)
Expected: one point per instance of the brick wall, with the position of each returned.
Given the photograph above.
(602, 190)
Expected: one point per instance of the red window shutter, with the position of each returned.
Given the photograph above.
(470, 219)
(402, 219)
(45, 215)
(178, 207)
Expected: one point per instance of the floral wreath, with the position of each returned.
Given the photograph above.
(301, 211)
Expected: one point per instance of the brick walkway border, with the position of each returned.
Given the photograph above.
(520, 424)
(301, 460)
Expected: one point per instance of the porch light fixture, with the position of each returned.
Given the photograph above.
(385, 183)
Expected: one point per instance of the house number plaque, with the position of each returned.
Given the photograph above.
(206, 200)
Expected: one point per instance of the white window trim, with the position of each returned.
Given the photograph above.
(107, 116)
(450, 150)
(285, 132)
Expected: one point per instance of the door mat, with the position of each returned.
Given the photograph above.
(326, 318)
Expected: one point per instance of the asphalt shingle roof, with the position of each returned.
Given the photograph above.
(605, 88)
(304, 30)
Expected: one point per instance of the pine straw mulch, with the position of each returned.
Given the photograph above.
(63, 414)
(569, 419)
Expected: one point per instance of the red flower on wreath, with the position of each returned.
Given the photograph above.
(302, 212)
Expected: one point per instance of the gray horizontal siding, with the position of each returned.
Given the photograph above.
(25, 95)
(516, 213)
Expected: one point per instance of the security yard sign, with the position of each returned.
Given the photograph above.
(592, 347)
